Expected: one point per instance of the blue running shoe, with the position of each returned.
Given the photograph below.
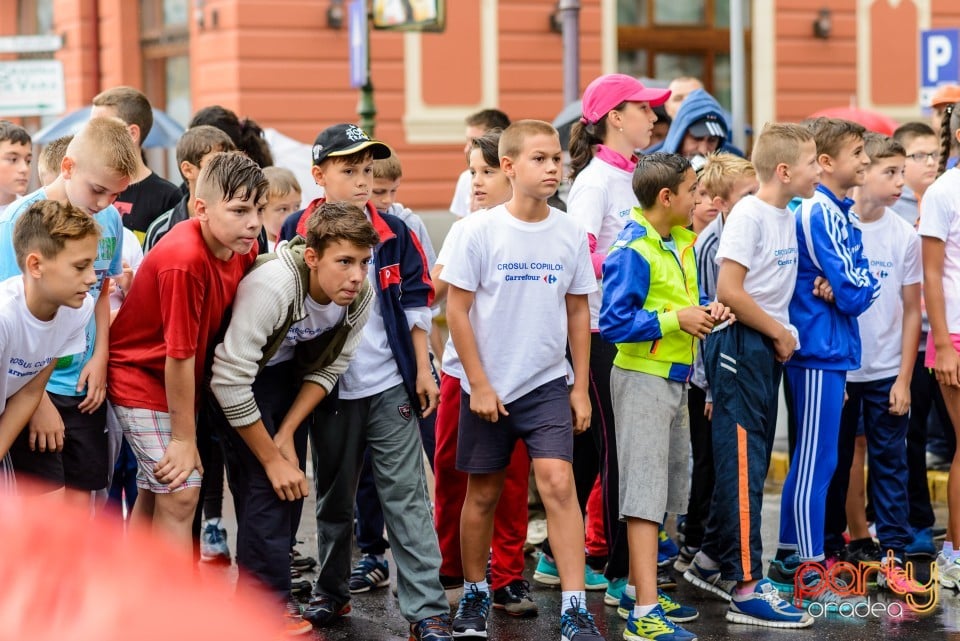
(471, 617)
(765, 607)
(576, 624)
(431, 629)
(369, 574)
(614, 591)
(656, 626)
(547, 574)
(673, 610)
(666, 548)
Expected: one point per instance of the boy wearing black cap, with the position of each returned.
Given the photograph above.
(388, 384)
(699, 129)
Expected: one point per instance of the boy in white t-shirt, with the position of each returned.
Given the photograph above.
(758, 272)
(43, 313)
(878, 393)
(16, 152)
(479, 123)
(517, 294)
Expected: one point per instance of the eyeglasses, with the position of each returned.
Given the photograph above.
(924, 156)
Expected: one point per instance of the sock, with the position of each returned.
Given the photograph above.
(706, 562)
(379, 557)
(642, 610)
(568, 598)
(947, 549)
(631, 591)
(481, 586)
(745, 589)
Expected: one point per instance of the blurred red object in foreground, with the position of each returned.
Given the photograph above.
(872, 120)
(64, 577)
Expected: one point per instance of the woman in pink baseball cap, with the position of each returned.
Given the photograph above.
(617, 119)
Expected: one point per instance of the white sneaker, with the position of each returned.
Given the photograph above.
(949, 572)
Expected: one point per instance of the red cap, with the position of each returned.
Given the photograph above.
(606, 92)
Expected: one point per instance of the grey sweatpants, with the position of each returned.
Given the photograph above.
(384, 423)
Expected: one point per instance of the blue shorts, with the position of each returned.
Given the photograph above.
(541, 418)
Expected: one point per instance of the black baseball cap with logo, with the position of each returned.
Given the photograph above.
(343, 140)
(709, 125)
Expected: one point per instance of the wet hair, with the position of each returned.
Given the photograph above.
(722, 170)
(948, 133)
(489, 146)
(197, 142)
(228, 175)
(877, 147)
(388, 168)
(657, 171)
(14, 133)
(105, 142)
(131, 106)
(778, 142)
(583, 139)
(488, 119)
(831, 134)
(332, 222)
(910, 131)
(246, 134)
(47, 225)
(51, 158)
(282, 182)
(513, 137)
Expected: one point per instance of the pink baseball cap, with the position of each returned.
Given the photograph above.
(606, 92)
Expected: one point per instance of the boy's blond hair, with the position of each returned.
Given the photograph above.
(778, 142)
(512, 138)
(722, 171)
(105, 142)
(388, 168)
(46, 227)
(196, 142)
(52, 155)
(282, 182)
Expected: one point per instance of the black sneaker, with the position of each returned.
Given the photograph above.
(665, 580)
(301, 563)
(863, 551)
(471, 617)
(514, 599)
(323, 610)
(301, 589)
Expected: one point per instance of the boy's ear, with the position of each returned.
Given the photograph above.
(664, 196)
(720, 204)
(32, 265)
(826, 162)
(189, 170)
(317, 172)
(506, 165)
(311, 257)
(782, 172)
(200, 208)
(135, 134)
(67, 167)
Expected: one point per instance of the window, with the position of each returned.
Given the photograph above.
(664, 39)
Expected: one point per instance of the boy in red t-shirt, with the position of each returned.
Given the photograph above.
(160, 338)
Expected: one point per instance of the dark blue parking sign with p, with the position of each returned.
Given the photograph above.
(939, 60)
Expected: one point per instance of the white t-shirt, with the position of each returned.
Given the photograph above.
(763, 239)
(893, 248)
(451, 365)
(132, 253)
(940, 218)
(520, 273)
(600, 200)
(460, 205)
(319, 319)
(27, 344)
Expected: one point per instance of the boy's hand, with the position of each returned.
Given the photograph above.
(285, 445)
(784, 345)
(288, 481)
(899, 398)
(582, 410)
(427, 391)
(125, 279)
(93, 376)
(822, 289)
(708, 410)
(947, 366)
(485, 403)
(179, 460)
(695, 320)
(719, 312)
(46, 429)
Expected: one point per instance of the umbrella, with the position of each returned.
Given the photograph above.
(165, 131)
(872, 120)
(565, 119)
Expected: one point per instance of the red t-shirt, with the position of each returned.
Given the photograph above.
(175, 308)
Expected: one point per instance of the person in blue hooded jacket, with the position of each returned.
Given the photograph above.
(699, 129)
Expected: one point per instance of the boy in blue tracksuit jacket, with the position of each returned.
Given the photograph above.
(830, 258)
(387, 386)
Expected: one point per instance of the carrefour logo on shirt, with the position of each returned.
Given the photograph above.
(526, 267)
(786, 256)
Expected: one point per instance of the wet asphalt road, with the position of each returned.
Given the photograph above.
(375, 616)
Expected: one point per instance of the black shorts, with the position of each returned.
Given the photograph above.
(82, 465)
(542, 418)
